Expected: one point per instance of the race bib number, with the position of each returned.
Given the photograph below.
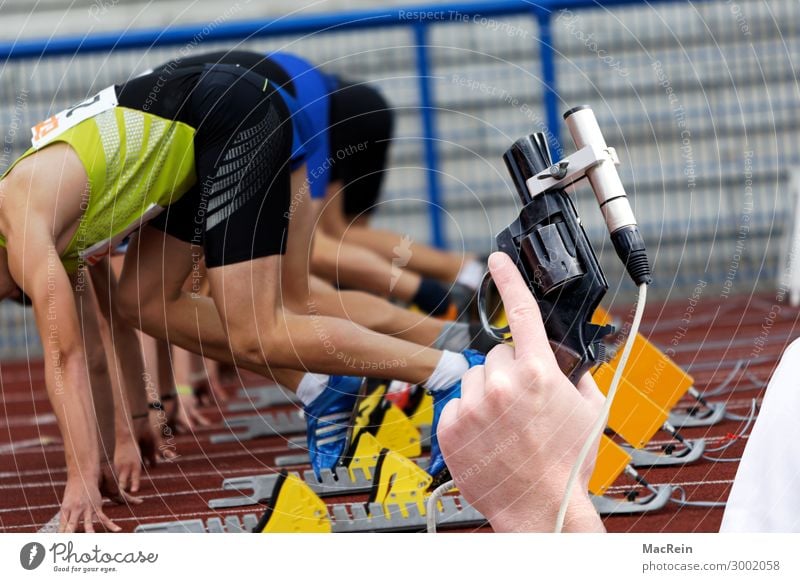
(99, 250)
(57, 124)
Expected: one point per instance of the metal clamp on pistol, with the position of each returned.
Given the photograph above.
(549, 245)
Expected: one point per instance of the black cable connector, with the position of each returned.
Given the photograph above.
(629, 244)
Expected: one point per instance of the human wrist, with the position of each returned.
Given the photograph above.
(538, 513)
(87, 469)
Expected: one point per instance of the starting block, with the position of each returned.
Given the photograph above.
(654, 502)
(420, 408)
(232, 524)
(388, 424)
(399, 482)
(383, 419)
(697, 415)
(263, 397)
(659, 378)
(633, 416)
(345, 518)
(340, 481)
(291, 460)
(355, 478)
(294, 508)
(396, 501)
(261, 425)
(612, 461)
(688, 454)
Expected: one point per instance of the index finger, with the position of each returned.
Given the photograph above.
(522, 311)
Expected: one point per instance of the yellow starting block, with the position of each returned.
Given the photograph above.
(388, 424)
(654, 374)
(611, 462)
(651, 371)
(294, 508)
(633, 416)
(364, 453)
(422, 411)
(399, 481)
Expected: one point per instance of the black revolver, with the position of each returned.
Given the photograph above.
(550, 248)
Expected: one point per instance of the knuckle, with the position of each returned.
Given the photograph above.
(534, 371)
(522, 311)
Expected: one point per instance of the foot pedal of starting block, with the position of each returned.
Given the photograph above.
(708, 417)
(294, 508)
(264, 397)
(686, 455)
(420, 408)
(394, 430)
(611, 506)
(399, 483)
(267, 424)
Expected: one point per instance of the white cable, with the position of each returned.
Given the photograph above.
(602, 420)
(433, 500)
(682, 500)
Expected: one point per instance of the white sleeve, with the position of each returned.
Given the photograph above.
(766, 491)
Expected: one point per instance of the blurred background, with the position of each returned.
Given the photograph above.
(699, 99)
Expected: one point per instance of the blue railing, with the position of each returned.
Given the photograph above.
(417, 17)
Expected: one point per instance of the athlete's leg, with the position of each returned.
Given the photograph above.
(356, 267)
(374, 313)
(355, 230)
(152, 297)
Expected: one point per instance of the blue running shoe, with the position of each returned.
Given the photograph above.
(328, 420)
(440, 399)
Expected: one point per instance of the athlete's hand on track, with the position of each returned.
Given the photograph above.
(162, 434)
(146, 441)
(109, 487)
(82, 506)
(511, 439)
(188, 414)
(127, 462)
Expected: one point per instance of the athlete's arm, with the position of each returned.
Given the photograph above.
(35, 264)
(134, 438)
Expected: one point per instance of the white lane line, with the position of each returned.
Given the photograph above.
(221, 474)
(28, 420)
(152, 496)
(196, 457)
(18, 446)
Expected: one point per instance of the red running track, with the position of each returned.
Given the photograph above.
(714, 343)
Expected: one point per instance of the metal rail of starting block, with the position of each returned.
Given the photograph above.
(261, 425)
(707, 417)
(263, 397)
(610, 506)
(331, 483)
(345, 518)
(686, 455)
